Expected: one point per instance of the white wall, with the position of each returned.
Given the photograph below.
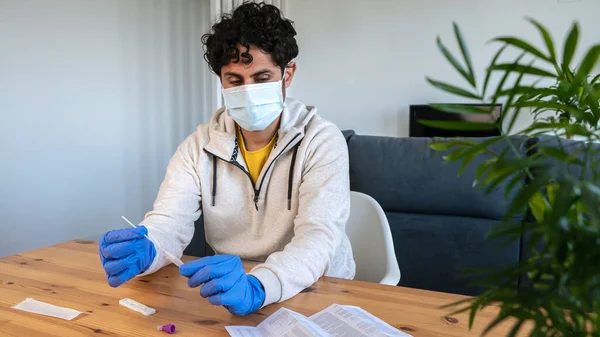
(94, 98)
(362, 63)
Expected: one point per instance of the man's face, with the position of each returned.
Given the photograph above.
(262, 70)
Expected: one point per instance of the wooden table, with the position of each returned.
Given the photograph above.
(70, 275)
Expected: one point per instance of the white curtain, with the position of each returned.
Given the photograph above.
(94, 98)
(167, 85)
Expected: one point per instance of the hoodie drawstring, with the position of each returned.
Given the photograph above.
(291, 177)
(214, 181)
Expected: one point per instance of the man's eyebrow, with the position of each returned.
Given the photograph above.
(262, 72)
(229, 73)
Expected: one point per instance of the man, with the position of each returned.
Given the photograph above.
(270, 175)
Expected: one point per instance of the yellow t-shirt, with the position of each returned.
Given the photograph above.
(255, 160)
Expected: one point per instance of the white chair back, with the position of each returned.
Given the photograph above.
(371, 239)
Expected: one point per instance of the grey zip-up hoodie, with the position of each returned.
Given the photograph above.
(293, 219)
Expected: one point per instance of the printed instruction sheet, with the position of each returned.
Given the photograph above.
(336, 320)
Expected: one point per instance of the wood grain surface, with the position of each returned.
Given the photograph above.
(70, 275)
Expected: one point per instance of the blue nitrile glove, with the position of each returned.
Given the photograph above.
(225, 283)
(126, 253)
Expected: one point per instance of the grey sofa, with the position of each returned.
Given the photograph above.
(438, 220)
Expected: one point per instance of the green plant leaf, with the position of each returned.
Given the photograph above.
(557, 107)
(591, 200)
(588, 63)
(561, 155)
(503, 169)
(521, 163)
(461, 108)
(498, 175)
(547, 39)
(596, 89)
(482, 169)
(538, 207)
(593, 188)
(592, 99)
(441, 146)
(447, 144)
(451, 157)
(466, 160)
(578, 130)
(524, 69)
(454, 62)
(453, 89)
(551, 190)
(538, 93)
(458, 125)
(515, 181)
(509, 103)
(562, 203)
(489, 70)
(495, 98)
(525, 46)
(515, 329)
(502, 316)
(466, 56)
(472, 314)
(527, 193)
(478, 148)
(544, 127)
(570, 46)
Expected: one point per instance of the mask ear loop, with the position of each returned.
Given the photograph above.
(283, 72)
(283, 82)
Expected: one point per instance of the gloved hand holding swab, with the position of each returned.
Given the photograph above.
(169, 256)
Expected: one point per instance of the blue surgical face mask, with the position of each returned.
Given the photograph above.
(255, 106)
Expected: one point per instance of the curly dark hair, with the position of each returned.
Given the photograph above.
(256, 24)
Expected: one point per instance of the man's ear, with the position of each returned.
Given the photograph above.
(290, 70)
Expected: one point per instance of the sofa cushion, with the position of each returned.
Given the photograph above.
(434, 251)
(347, 134)
(405, 175)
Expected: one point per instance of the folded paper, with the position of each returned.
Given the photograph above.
(37, 307)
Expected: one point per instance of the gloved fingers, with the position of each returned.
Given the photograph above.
(235, 310)
(113, 267)
(126, 275)
(102, 243)
(120, 249)
(234, 297)
(126, 234)
(190, 268)
(213, 271)
(221, 284)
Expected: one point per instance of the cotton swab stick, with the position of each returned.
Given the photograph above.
(169, 256)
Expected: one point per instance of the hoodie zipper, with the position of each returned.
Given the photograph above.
(236, 164)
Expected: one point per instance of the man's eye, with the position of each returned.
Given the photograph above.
(235, 83)
(262, 80)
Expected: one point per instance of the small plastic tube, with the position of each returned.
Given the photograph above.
(168, 328)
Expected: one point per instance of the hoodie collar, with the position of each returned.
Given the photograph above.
(222, 128)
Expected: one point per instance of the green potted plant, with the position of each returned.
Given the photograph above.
(569, 93)
(562, 229)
